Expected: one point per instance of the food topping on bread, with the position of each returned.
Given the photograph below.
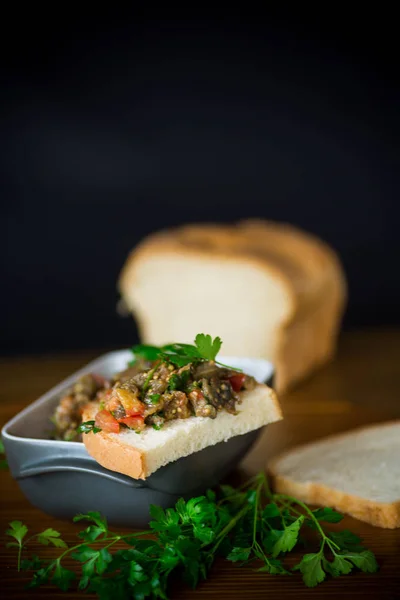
(68, 414)
(178, 382)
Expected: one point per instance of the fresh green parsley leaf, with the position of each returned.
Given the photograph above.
(17, 530)
(42, 576)
(211, 495)
(91, 533)
(156, 427)
(207, 347)
(93, 516)
(51, 536)
(239, 554)
(287, 538)
(35, 563)
(328, 515)
(364, 560)
(145, 352)
(62, 577)
(87, 427)
(311, 568)
(271, 511)
(338, 566)
(346, 540)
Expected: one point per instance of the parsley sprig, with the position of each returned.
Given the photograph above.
(246, 525)
(180, 355)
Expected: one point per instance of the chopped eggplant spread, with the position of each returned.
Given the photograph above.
(68, 415)
(177, 381)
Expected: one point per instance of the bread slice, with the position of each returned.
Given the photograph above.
(357, 473)
(268, 290)
(140, 455)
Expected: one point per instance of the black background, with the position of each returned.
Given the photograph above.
(114, 125)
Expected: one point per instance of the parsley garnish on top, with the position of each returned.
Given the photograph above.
(246, 525)
(204, 348)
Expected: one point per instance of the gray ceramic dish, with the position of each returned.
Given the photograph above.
(61, 478)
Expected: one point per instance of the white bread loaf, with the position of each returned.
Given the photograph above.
(140, 455)
(269, 290)
(357, 473)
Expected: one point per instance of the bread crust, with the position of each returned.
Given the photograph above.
(379, 514)
(112, 454)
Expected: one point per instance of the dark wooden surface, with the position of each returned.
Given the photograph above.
(361, 386)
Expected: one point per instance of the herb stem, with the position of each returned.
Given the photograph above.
(19, 557)
(229, 526)
(256, 513)
(305, 508)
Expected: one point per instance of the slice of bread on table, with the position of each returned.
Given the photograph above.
(268, 290)
(357, 473)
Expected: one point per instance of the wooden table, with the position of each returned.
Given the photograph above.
(361, 386)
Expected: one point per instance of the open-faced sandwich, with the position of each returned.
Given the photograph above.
(169, 403)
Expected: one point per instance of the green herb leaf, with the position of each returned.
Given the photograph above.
(91, 533)
(311, 568)
(93, 516)
(62, 577)
(239, 554)
(17, 530)
(42, 576)
(34, 563)
(364, 560)
(287, 538)
(51, 536)
(327, 514)
(271, 511)
(346, 540)
(207, 347)
(146, 352)
(87, 427)
(338, 566)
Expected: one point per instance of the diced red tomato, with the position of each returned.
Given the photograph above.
(135, 422)
(237, 381)
(106, 422)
